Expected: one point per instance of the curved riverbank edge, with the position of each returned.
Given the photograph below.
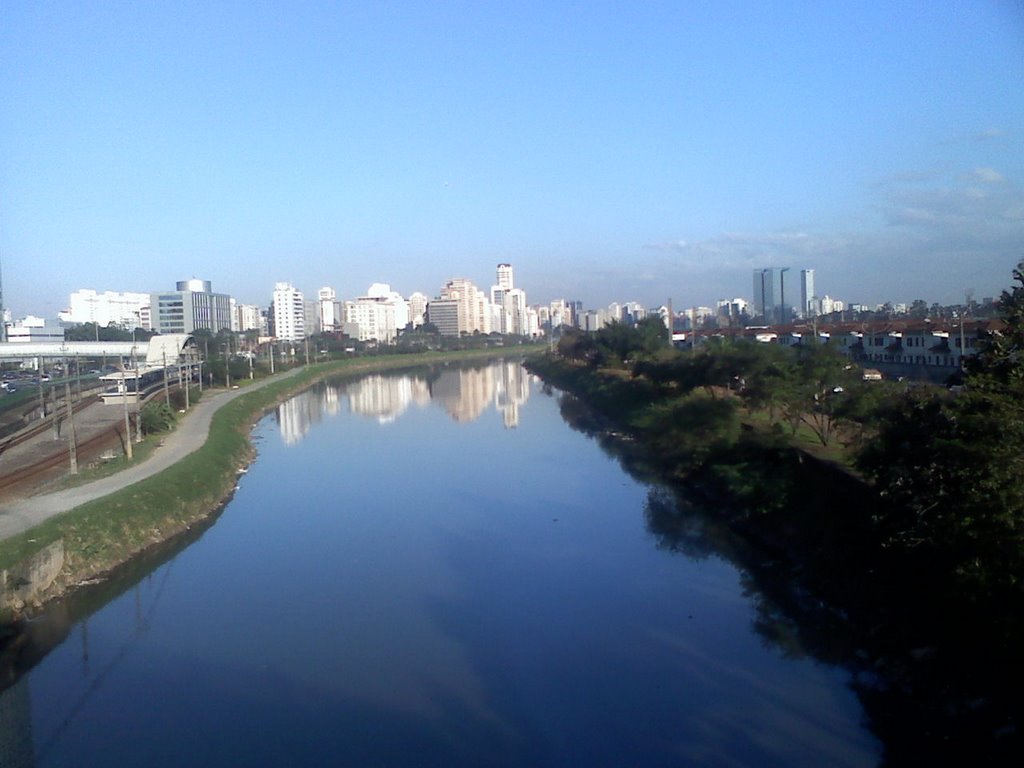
(84, 545)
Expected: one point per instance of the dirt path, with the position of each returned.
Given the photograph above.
(191, 433)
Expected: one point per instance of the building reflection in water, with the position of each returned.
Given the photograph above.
(385, 398)
(464, 393)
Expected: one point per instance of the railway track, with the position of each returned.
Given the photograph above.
(36, 472)
(86, 449)
(41, 425)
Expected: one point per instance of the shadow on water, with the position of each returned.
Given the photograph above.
(939, 676)
(25, 643)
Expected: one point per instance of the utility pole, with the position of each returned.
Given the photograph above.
(127, 422)
(167, 391)
(39, 378)
(227, 369)
(271, 358)
(72, 443)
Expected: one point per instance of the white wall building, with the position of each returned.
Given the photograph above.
(247, 317)
(474, 310)
(379, 315)
(417, 309)
(123, 309)
(289, 313)
(330, 310)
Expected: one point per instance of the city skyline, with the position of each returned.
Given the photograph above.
(647, 153)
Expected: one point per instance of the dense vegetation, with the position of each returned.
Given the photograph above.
(900, 555)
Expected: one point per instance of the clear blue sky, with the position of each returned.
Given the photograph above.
(609, 151)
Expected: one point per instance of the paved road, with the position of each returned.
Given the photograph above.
(190, 434)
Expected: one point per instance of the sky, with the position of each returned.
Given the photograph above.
(609, 151)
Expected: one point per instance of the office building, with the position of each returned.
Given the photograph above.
(192, 307)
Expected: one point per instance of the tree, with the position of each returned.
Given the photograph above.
(576, 345)
(999, 364)
(952, 464)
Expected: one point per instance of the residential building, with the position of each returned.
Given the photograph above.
(246, 317)
(379, 315)
(418, 309)
(289, 313)
(474, 314)
(329, 310)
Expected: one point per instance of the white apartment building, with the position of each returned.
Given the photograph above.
(417, 309)
(515, 312)
(289, 313)
(561, 313)
(124, 309)
(329, 310)
(474, 310)
(379, 315)
(245, 317)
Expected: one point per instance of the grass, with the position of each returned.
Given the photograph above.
(104, 533)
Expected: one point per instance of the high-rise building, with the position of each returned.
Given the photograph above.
(417, 309)
(474, 309)
(443, 314)
(246, 318)
(192, 307)
(807, 295)
(505, 281)
(380, 314)
(773, 294)
(330, 310)
(289, 313)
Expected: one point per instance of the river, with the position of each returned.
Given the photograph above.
(429, 569)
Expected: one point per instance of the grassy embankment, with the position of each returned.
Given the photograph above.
(102, 534)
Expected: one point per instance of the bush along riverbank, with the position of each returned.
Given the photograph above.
(87, 544)
(921, 603)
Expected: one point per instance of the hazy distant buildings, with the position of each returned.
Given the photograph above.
(34, 330)
(125, 309)
(192, 307)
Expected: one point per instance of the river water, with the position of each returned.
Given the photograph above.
(430, 569)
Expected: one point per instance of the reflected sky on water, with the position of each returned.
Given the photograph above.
(403, 579)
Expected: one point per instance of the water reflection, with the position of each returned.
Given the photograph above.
(433, 615)
(465, 393)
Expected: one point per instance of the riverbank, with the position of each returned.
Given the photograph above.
(81, 535)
